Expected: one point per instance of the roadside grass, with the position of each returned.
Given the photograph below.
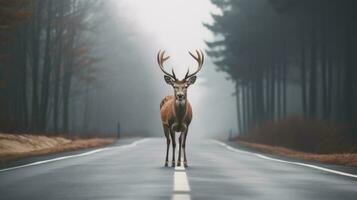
(349, 159)
(14, 146)
(305, 139)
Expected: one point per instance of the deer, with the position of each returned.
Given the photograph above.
(176, 110)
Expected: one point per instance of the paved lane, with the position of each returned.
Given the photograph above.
(219, 173)
(135, 172)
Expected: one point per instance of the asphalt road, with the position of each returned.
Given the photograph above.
(130, 170)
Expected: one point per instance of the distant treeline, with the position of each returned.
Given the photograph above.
(271, 46)
(45, 60)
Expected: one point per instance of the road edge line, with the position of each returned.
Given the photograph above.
(72, 156)
(285, 161)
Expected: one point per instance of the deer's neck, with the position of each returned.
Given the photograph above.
(180, 110)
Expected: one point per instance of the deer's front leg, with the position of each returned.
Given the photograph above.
(184, 148)
(172, 133)
(179, 155)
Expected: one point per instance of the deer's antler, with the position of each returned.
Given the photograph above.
(199, 59)
(160, 60)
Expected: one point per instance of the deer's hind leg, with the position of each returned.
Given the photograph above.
(167, 135)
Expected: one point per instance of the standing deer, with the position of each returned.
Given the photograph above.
(176, 111)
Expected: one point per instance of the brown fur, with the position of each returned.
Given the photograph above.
(167, 110)
(165, 99)
(176, 111)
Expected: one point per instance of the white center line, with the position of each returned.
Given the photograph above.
(181, 186)
(181, 197)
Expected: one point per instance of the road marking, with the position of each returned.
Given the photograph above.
(284, 161)
(181, 197)
(74, 156)
(181, 186)
(180, 182)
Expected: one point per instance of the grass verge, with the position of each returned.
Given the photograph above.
(348, 159)
(14, 146)
(300, 138)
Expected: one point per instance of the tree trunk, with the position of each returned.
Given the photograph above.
(66, 85)
(66, 94)
(303, 71)
(284, 75)
(324, 63)
(313, 70)
(259, 99)
(330, 86)
(23, 80)
(268, 93)
(245, 110)
(58, 71)
(36, 27)
(348, 85)
(239, 118)
(46, 71)
(249, 107)
(278, 91)
(272, 95)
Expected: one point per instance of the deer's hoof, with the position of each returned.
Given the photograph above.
(166, 164)
(185, 165)
(173, 164)
(178, 164)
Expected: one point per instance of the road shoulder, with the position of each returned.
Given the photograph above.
(344, 169)
(54, 155)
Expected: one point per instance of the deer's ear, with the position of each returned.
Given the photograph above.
(191, 80)
(169, 80)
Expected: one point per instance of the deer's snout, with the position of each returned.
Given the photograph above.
(180, 96)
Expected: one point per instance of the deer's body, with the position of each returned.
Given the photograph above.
(176, 111)
(174, 114)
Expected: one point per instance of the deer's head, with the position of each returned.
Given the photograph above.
(180, 86)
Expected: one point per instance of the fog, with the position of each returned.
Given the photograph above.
(84, 67)
(130, 84)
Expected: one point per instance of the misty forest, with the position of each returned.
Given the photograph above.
(47, 62)
(54, 67)
(73, 67)
(178, 99)
(290, 61)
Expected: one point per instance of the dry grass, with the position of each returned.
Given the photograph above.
(349, 159)
(18, 146)
(305, 139)
(310, 136)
